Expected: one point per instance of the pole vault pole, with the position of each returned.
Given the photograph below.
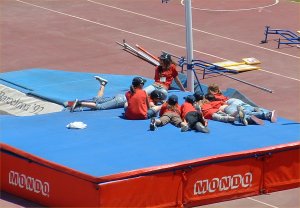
(189, 44)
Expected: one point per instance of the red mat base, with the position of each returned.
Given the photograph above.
(197, 182)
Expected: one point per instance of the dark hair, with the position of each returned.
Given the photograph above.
(137, 81)
(173, 99)
(156, 94)
(198, 95)
(190, 99)
(210, 97)
(167, 60)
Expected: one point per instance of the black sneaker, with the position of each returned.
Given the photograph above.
(152, 124)
(75, 105)
(199, 127)
(184, 128)
(242, 117)
(254, 120)
(101, 80)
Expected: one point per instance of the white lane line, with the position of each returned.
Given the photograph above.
(233, 10)
(115, 28)
(136, 34)
(280, 75)
(197, 30)
(262, 202)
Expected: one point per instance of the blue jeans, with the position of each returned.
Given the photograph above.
(248, 109)
(105, 103)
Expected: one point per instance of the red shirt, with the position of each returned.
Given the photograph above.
(137, 105)
(220, 97)
(166, 108)
(166, 77)
(208, 109)
(186, 108)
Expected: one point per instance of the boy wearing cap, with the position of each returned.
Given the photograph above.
(137, 106)
(169, 113)
(193, 117)
(165, 73)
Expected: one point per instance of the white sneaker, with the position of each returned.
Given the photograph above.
(101, 80)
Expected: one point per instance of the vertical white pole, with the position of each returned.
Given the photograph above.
(189, 44)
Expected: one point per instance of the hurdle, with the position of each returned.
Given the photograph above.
(289, 37)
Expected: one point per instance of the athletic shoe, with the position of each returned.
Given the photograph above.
(68, 104)
(152, 124)
(184, 128)
(75, 105)
(272, 116)
(199, 127)
(242, 117)
(101, 80)
(255, 120)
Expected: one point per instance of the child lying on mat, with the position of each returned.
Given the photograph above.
(253, 114)
(169, 113)
(193, 115)
(99, 102)
(215, 110)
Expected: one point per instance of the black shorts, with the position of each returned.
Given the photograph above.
(193, 117)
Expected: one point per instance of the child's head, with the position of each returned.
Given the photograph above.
(165, 60)
(172, 100)
(190, 99)
(213, 88)
(198, 96)
(156, 95)
(138, 82)
(210, 97)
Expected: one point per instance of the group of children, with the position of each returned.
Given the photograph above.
(146, 103)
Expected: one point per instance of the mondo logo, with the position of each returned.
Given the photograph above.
(28, 183)
(224, 183)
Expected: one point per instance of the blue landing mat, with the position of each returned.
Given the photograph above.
(112, 145)
(60, 86)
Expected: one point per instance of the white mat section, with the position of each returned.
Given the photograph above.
(16, 103)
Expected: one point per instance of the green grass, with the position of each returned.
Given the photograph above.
(296, 1)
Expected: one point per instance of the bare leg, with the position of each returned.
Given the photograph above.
(88, 104)
(102, 83)
(101, 90)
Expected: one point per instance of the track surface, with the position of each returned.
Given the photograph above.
(80, 35)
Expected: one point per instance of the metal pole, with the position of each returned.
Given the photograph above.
(189, 45)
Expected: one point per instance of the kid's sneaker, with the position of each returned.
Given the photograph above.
(242, 117)
(184, 128)
(101, 80)
(75, 105)
(254, 120)
(152, 124)
(199, 127)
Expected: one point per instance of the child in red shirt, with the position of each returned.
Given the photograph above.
(165, 73)
(137, 106)
(169, 113)
(193, 117)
